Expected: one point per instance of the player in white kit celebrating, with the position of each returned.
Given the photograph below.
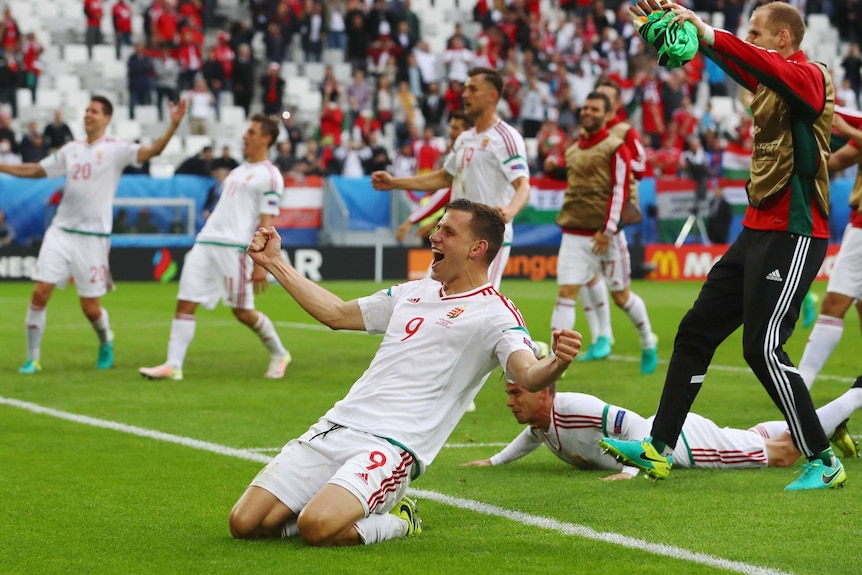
(338, 482)
(488, 164)
(571, 425)
(78, 241)
(218, 268)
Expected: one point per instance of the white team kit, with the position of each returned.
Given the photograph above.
(483, 167)
(436, 353)
(217, 267)
(576, 262)
(846, 277)
(78, 241)
(579, 421)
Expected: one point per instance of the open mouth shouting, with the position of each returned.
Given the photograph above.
(438, 257)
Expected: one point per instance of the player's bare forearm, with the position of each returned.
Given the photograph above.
(157, 147)
(428, 181)
(319, 303)
(535, 375)
(28, 170)
(845, 157)
(522, 196)
(843, 128)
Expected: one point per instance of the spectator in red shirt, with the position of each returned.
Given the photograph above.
(121, 14)
(551, 140)
(94, 10)
(685, 118)
(10, 32)
(32, 49)
(365, 124)
(331, 119)
(665, 160)
(225, 54)
(190, 59)
(167, 23)
(428, 154)
(453, 97)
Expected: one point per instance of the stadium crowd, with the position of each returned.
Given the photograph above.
(398, 81)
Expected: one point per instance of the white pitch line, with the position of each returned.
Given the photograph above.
(447, 446)
(547, 523)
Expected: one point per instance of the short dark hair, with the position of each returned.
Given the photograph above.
(487, 224)
(107, 107)
(599, 96)
(490, 75)
(613, 86)
(268, 126)
(464, 118)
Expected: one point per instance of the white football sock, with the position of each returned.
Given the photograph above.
(597, 293)
(563, 316)
(182, 334)
(378, 528)
(35, 322)
(103, 327)
(266, 332)
(822, 342)
(637, 312)
(289, 529)
(590, 313)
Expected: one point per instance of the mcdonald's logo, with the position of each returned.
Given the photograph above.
(666, 265)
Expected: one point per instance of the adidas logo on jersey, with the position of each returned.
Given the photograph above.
(363, 477)
(774, 276)
(413, 299)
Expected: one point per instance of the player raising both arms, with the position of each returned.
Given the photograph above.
(78, 240)
(217, 267)
(442, 336)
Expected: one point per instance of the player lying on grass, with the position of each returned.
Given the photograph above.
(338, 482)
(571, 425)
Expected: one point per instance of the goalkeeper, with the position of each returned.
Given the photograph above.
(761, 280)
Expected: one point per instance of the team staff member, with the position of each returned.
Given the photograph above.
(593, 294)
(597, 173)
(760, 281)
(78, 241)
(338, 482)
(489, 163)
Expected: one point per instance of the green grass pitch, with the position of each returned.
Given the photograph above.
(83, 499)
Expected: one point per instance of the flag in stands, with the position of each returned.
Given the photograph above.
(736, 162)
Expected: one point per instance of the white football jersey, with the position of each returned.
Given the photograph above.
(484, 165)
(579, 421)
(92, 174)
(436, 353)
(248, 191)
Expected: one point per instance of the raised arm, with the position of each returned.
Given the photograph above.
(28, 170)
(156, 148)
(321, 304)
(536, 375)
(435, 180)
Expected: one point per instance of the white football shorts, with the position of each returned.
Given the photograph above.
(375, 471)
(80, 257)
(212, 273)
(705, 445)
(576, 262)
(846, 276)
